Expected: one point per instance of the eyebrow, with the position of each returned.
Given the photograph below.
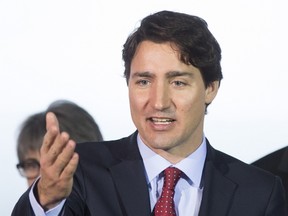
(143, 74)
(170, 74)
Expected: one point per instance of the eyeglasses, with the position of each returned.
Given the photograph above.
(29, 168)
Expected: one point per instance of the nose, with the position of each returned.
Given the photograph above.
(160, 97)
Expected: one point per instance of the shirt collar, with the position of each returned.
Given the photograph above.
(192, 165)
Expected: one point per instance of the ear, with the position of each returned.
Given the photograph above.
(211, 91)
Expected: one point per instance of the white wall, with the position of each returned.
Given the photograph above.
(72, 50)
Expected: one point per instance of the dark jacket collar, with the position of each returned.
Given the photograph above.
(218, 189)
(129, 173)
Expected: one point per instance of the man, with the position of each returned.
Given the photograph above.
(72, 118)
(276, 162)
(172, 68)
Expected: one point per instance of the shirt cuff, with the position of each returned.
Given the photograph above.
(38, 210)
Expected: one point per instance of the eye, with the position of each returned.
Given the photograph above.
(142, 82)
(179, 83)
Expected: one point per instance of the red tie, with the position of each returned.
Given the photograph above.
(165, 204)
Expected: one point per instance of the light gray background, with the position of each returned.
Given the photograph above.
(72, 50)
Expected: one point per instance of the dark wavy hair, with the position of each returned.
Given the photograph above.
(195, 43)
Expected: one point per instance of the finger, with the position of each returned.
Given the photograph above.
(59, 144)
(71, 167)
(52, 147)
(64, 157)
(53, 130)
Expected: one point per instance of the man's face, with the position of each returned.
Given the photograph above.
(167, 100)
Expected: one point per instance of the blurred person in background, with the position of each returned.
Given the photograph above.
(276, 162)
(72, 118)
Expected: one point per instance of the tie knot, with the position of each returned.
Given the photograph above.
(171, 177)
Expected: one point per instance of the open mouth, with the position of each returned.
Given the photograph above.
(161, 120)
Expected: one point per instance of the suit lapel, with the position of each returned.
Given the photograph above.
(129, 178)
(218, 190)
(129, 173)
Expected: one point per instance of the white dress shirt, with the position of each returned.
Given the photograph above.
(188, 191)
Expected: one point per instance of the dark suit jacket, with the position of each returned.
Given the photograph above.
(276, 163)
(110, 181)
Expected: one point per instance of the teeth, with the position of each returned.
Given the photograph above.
(161, 121)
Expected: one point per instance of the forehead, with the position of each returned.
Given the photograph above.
(146, 48)
(32, 154)
(154, 58)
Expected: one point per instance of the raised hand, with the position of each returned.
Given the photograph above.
(58, 162)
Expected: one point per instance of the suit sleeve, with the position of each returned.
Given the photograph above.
(23, 206)
(28, 205)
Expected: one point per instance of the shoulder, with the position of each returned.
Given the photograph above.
(239, 171)
(250, 186)
(272, 160)
(119, 149)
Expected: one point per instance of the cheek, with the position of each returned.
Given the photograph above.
(137, 100)
(190, 102)
(135, 105)
(133, 100)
